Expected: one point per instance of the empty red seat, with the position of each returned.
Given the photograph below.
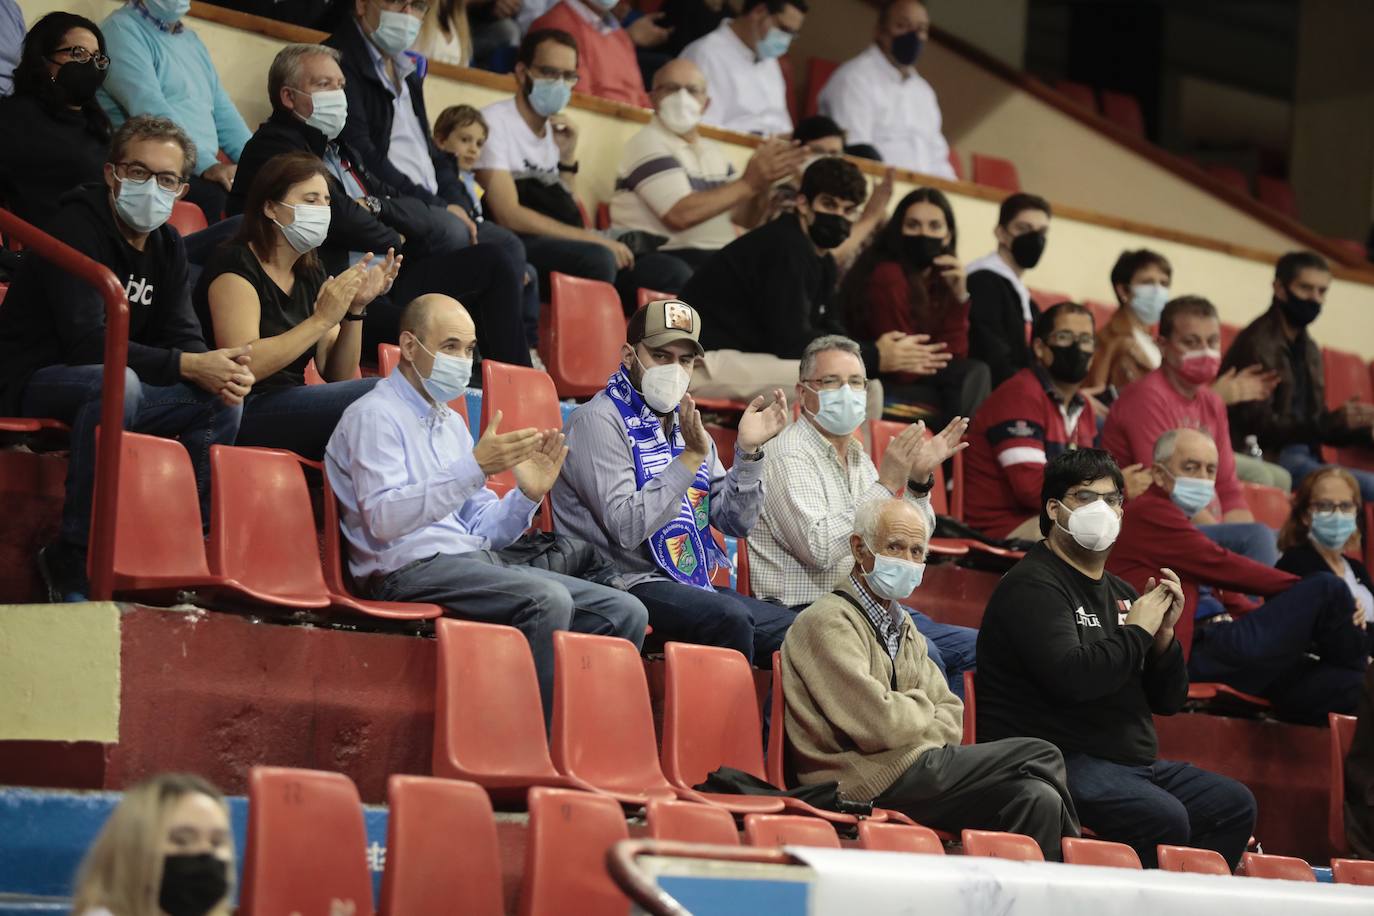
(1347, 376)
(1269, 505)
(995, 172)
(1278, 194)
(1288, 868)
(584, 334)
(770, 830)
(1045, 299)
(956, 164)
(899, 838)
(1230, 176)
(1078, 93)
(994, 844)
(187, 218)
(1353, 871)
(1123, 110)
(724, 437)
(1085, 851)
(306, 850)
(441, 847)
(646, 296)
(565, 855)
(1219, 695)
(1342, 736)
(818, 73)
(690, 822)
(1193, 861)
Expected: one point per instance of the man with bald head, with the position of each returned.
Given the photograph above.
(868, 709)
(1266, 650)
(676, 184)
(421, 523)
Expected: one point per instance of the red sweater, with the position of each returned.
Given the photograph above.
(606, 62)
(1155, 533)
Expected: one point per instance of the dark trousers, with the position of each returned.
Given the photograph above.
(1268, 651)
(663, 271)
(300, 418)
(1165, 802)
(568, 256)
(1016, 784)
(723, 617)
(956, 390)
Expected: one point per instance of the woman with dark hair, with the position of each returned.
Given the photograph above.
(1321, 532)
(266, 289)
(911, 281)
(56, 134)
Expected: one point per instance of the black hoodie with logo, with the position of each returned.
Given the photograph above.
(51, 317)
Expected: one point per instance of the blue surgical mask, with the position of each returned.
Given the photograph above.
(168, 11)
(143, 205)
(549, 97)
(395, 32)
(449, 377)
(1193, 494)
(307, 232)
(774, 44)
(1148, 301)
(892, 578)
(1332, 529)
(329, 112)
(842, 410)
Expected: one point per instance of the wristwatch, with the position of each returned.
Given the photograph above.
(358, 317)
(921, 489)
(748, 456)
(570, 169)
(372, 205)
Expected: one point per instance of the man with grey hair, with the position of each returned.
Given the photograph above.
(818, 473)
(867, 707)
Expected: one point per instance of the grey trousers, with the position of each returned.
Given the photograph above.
(1017, 784)
(481, 586)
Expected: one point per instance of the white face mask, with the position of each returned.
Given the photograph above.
(329, 112)
(680, 112)
(1094, 526)
(663, 386)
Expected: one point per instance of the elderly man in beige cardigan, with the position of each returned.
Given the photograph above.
(868, 709)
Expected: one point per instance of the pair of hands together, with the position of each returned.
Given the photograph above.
(764, 418)
(912, 456)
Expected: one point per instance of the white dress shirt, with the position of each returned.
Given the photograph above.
(747, 94)
(897, 113)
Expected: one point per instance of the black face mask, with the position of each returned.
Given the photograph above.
(906, 47)
(1070, 364)
(78, 82)
(192, 885)
(1298, 312)
(829, 230)
(920, 251)
(1027, 248)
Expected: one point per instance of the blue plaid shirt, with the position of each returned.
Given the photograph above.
(887, 620)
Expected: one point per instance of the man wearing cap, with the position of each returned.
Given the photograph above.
(642, 481)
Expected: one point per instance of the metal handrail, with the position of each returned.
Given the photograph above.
(640, 887)
(100, 561)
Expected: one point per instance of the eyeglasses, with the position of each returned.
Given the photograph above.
(81, 55)
(139, 173)
(419, 7)
(1066, 338)
(1088, 497)
(553, 73)
(1344, 508)
(835, 383)
(697, 92)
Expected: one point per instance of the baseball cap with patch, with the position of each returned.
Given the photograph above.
(663, 321)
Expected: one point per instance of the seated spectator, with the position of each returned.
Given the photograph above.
(740, 60)
(643, 483)
(267, 289)
(606, 63)
(688, 20)
(770, 292)
(421, 524)
(445, 35)
(305, 86)
(1178, 394)
(529, 166)
(880, 99)
(496, 29)
(1037, 414)
(1322, 535)
(1002, 306)
(174, 825)
(1303, 649)
(11, 43)
(159, 67)
(868, 709)
(1070, 653)
(65, 133)
(649, 32)
(816, 477)
(911, 281)
(1126, 351)
(52, 333)
(672, 182)
(1293, 423)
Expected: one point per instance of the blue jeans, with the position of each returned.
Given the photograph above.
(1163, 802)
(184, 412)
(681, 613)
(1249, 539)
(1300, 460)
(299, 418)
(953, 649)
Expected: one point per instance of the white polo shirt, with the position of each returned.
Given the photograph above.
(899, 115)
(657, 169)
(512, 147)
(747, 94)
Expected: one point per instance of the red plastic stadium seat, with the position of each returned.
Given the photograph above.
(306, 846)
(689, 822)
(1045, 299)
(1228, 335)
(1193, 861)
(1078, 93)
(788, 830)
(1224, 695)
(441, 847)
(1083, 851)
(970, 709)
(565, 855)
(488, 718)
(1342, 736)
(526, 397)
(1353, 871)
(956, 163)
(1347, 376)
(1123, 110)
(1230, 176)
(995, 172)
(1102, 312)
(724, 437)
(38, 433)
(389, 357)
(586, 328)
(777, 746)
(899, 838)
(1288, 868)
(645, 296)
(818, 73)
(1269, 505)
(1278, 194)
(313, 377)
(603, 215)
(187, 218)
(996, 845)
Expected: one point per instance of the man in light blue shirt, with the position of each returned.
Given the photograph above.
(11, 43)
(420, 522)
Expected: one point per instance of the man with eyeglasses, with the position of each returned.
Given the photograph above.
(740, 60)
(1072, 654)
(52, 333)
(1304, 648)
(606, 64)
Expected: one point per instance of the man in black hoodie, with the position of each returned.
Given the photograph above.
(52, 332)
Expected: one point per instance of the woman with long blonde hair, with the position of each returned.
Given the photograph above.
(166, 850)
(445, 35)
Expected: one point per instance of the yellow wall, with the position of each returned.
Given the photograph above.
(59, 673)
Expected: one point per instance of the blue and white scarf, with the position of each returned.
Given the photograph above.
(683, 548)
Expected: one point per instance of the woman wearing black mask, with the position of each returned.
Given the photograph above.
(911, 281)
(167, 850)
(57, 135)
